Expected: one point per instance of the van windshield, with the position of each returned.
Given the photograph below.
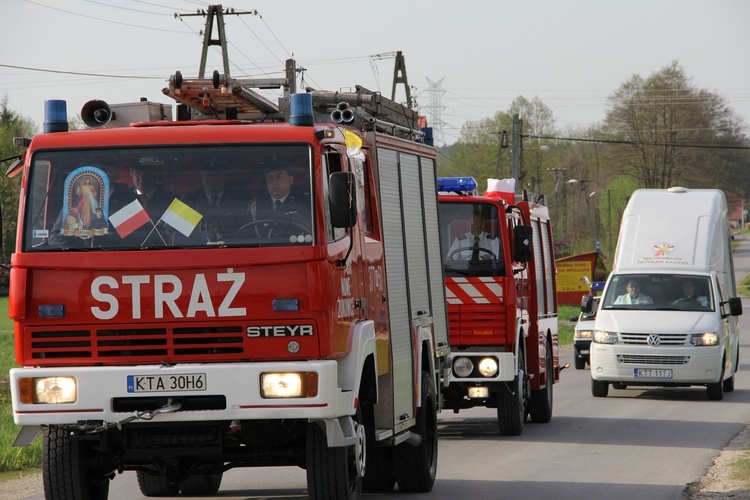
(169, 197)
(662, 292)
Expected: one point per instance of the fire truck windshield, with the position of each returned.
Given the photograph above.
(176, 197)
(470, 239)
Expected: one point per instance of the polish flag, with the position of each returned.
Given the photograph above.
(129, 218)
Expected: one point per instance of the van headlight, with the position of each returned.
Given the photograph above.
(582, 334)
(602, 337)
(708, 338)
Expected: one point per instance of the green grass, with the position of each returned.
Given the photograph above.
(564, 330)
(12, 458)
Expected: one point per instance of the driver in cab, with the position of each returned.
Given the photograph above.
(280, 202)
(477, 244)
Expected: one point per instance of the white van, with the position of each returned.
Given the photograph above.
(667, 316)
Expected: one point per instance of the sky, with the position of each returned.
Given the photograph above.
(468, 60)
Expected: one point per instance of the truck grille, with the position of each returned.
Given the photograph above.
(664, 338)
(140, 344)
(633, 359)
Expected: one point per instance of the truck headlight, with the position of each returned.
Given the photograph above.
(602, 337)
(463, 366)
(48, 390)
(488, 367)
(708, 338)
(582, 334)
(289, 385)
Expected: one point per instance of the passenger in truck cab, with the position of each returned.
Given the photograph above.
(280, 202)
(633, 295)
(220, 206)
(148, 190)
(476, 244)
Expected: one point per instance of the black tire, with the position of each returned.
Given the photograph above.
(580, 363)
(201, 484)
(416, 466)
(715, 392)
(379, 476)
(729, 383)
(599, 388)
(540, 404)
(66, 471)
(619, 385)
(511, 403)
(332, 472)
(156, 486)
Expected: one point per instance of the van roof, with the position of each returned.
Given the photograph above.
(676, 229)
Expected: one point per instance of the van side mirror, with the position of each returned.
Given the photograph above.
(522, 247)
(587, 303)
(735, 307)
(342, 199)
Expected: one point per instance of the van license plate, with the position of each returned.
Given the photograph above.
(647, 373)
(167, 383)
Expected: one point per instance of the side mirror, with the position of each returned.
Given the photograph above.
(735, 307)
(522, 247)
(587, 303)
(342, 199)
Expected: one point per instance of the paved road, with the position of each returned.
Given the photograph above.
(633, 444)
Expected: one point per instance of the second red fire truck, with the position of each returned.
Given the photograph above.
(502, 309)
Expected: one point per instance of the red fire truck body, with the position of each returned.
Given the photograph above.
(502, 309)
(179, 345)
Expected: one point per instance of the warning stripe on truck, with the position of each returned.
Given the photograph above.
(479, 290)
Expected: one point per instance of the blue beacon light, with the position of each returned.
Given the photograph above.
(456, 184)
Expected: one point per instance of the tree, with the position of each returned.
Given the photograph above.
(664, 123)
(11, 125)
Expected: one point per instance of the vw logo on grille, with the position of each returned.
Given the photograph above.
(653, 339)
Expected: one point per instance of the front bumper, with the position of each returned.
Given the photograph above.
(238, 383)
(688, 365)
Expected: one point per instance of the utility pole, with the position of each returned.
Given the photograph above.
(609, 220)
(503, 145)
(400, 68)
(515, 152)
(561, 187)
(214, 11)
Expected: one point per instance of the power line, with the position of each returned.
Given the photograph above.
(43, 70)
(634, 143)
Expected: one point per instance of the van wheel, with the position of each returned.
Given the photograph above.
(416, 466)
(580, 363)
(715, 392)
(619, 385)
(540, 405)
(599, 388)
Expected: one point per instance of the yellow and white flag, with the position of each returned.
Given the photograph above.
(181, 217)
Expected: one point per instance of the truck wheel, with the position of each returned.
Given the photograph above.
(599, 388)
(416, 466)
(66, 471)
(540, 405)
(156, 486)
(580, 362)
(511, 403)
(379, 477)
(332, 472)
(201, 484)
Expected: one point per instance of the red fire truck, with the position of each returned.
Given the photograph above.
(176, 329)
(502, 310)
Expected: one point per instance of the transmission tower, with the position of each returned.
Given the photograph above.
(435, 109)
